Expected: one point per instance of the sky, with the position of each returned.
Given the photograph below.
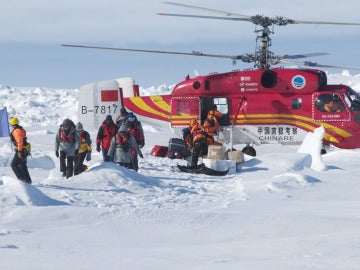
(31, 55)
(286, 208)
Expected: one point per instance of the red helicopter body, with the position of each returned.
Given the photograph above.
(260, 105)
(264, 106)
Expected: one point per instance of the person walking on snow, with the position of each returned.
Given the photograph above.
(198, 142)
(121, 145)
(84, 151)
(121, 118)
(22, 150)
(106, 132)
(135, 128)
(68, 142)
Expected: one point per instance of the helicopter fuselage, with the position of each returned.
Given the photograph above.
(259, 106)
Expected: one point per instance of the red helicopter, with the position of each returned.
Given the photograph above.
(260, 105)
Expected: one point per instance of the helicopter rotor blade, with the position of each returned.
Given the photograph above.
(297, 56)
(206, 17)
(313, 64)
(257, 20)
(225, 13)
(244, 58)
(322, 22)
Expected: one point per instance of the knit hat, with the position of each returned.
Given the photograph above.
(123, 112)
(67, 122)
(131, 116)
(79, 126)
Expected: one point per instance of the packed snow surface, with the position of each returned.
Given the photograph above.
(286, 208)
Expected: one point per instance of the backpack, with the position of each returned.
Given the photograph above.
(122, 141)
(27, 149)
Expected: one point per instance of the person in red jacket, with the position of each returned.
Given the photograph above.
(106, 132)
(135, 128)
(22, 148)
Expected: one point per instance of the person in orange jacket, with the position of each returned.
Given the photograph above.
(22, 150)
(199, 146)
(187, 134)
(211, 124)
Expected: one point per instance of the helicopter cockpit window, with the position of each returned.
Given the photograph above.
(329, 103)
(222, 105)
(352, 98)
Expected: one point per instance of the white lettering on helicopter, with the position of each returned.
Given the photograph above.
(248, 86)
(247, 78)
(331, 116)
(280, 134)
(277, 138)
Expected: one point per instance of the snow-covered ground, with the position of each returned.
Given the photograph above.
(281, 210)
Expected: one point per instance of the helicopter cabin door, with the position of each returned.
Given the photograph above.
(222, 105)
(329, 107)
(184, 109)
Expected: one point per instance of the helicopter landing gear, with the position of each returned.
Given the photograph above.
(324, 149)
(249, 150)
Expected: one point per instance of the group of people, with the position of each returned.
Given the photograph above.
(72, 147)
(121, 141)
(197, 138)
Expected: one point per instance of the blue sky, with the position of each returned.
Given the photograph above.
(31, 55)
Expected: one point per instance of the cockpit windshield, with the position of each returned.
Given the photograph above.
(352, 98)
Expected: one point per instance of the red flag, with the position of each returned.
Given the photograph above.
(109, 95)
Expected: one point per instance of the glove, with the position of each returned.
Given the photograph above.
(76, 152)
(98, 148)
(20, 155)
(88, 156)
(57, 154)
(141, 145)
(141, 155)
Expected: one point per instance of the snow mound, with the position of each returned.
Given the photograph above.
(290, 181)
(112, 171)
(14, 192)
(292, 161)
(44, 162)
(342, 158)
